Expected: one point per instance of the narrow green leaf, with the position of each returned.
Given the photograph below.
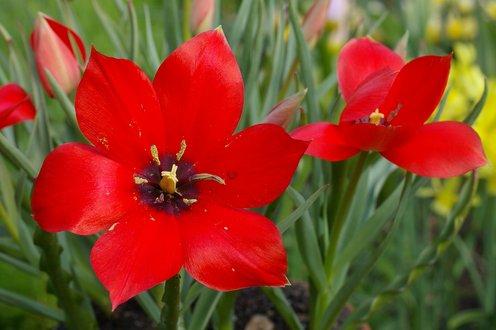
(278, 299)
(64, 101)
(30, 305)
(133, 20)
(474, 114)
(302, 207)
(16, 156)
(109, 27)
(306, 63)
(19, 264)
(277, 72)
(462, 319)
(149, 305)
(306, 239)
(204, 308)
(152, 53)
(239, 25)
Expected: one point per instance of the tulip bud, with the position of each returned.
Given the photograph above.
(54, 52)
(15, 105)
(202, 14)
(282, 113)
(315, 20)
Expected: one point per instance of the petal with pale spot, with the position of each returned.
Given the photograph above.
(257, 165)
(81, 190)
(118, 111)
(229, 249)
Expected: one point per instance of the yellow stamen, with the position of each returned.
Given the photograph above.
(140, 180)
(154, 151)
(181, 151)
(376, 117)
(169, 180)
(189, 201)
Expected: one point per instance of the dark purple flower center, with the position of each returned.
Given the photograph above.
(153, 192)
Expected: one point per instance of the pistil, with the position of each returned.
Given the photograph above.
(376, 117)
(169, 180)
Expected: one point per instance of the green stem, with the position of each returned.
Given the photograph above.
(70, 301)
(186, 20)
(337, 224)
(170, 312)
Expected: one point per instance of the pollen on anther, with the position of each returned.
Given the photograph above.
(154, 151)
(233, 269)
(140, 180)
(226, 228)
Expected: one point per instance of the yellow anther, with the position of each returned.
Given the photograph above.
(154, 151)
(169, 180)
(140, 180)
(376, 117)
(181, 151)
(189, 201)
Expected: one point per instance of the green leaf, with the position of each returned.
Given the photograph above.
(204, 308)
(110, 28)
(278, 299)
(30, 305)
(151, 48)
(307, 240)
(149, 306)
(474, 114)
(239, 25)
(302, 206)
(134, 45)
(306, 63)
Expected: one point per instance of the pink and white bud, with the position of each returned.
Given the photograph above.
(15, 105)
(202, 15)
(283, 112)
(315, 20)
(55, 53)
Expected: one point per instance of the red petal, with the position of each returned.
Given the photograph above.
(327, 142)
(118, 111)
(229, 249)
(140, 251)
(201, 91)
(372, 137)
(443, 149)
(15, 105)
(369, 96)
(256, 164)
(361, 57)
(80, 190)
(417, 90)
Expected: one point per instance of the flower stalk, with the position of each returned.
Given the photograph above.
(171, 299)
(71, 302)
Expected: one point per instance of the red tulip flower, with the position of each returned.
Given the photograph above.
(167, 178)
(15, 105)
(387, 105)
(54, 52)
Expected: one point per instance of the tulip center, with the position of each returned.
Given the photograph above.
(376, 117)
(169, 182)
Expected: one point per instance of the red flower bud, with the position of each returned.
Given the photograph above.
(54, 52)
(282, 113)
(202, 14)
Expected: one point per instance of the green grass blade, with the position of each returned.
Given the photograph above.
(278, 299)
(30, 305)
